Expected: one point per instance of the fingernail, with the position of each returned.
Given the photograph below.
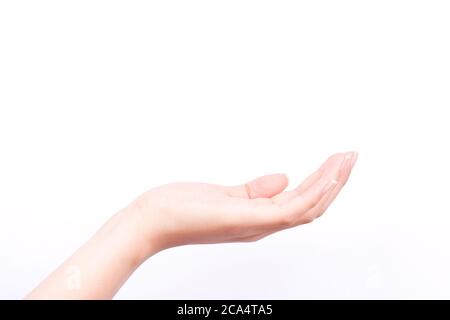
(354, 158)
(329, 186)
(347, 160)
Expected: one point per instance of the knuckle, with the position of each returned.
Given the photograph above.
(308, 219)
(286, 220)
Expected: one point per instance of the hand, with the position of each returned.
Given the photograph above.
(185, 213)
(188, 213)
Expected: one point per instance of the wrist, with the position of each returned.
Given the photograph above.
(144, 239)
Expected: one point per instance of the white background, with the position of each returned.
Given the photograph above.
(101, 100)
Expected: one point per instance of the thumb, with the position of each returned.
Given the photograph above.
(262, 187)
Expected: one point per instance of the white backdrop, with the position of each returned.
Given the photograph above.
(101, 100)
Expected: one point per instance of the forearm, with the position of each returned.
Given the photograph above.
(101, 266)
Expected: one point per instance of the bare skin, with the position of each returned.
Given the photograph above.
(191, 213)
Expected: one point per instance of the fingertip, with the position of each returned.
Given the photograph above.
(280, 180)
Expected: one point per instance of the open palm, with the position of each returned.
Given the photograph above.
(186, 213)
